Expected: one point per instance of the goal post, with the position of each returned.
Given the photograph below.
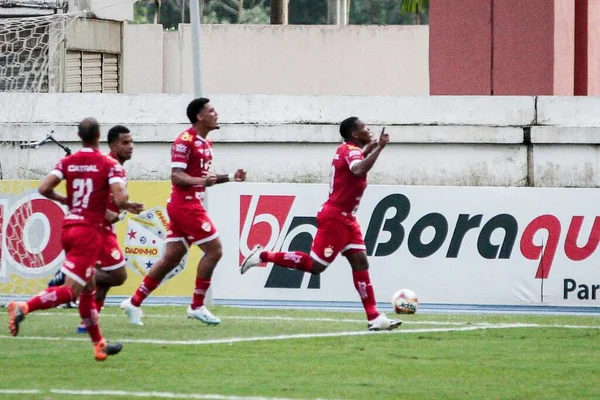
(31, 59)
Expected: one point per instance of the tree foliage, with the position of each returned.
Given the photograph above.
(301, 12)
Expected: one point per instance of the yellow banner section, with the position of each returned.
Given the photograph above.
(30, 250)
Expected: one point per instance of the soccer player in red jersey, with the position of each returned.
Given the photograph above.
(338, 230)
(110, 268)
(191, 158)
(90, 178)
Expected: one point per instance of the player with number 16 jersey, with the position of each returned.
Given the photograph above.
(189, 221)
(191, 159)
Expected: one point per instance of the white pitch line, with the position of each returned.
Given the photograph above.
(306, 335)
(246, 317)
(123, 393)
(20, 391)
(163, 395)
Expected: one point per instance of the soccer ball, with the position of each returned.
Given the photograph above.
(405, 301)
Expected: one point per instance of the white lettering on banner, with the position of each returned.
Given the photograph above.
(82, 168)
(264, 218)
(461, 245)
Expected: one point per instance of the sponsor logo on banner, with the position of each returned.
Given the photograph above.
(30, 228)
(266, 220)
(145, 241)
(387, 220)
(393, 228)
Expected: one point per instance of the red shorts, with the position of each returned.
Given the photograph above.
(111, 257)
(82, 245)
(189, 222)
(335, 235)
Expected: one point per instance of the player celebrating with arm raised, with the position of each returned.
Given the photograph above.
(90, 178)
(338, 230)
(191, 156)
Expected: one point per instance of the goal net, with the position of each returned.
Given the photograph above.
(31, 54)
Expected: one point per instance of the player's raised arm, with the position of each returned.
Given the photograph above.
(363, 166)
(50, 182)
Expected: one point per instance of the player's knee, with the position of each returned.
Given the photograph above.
(120, 276)
(318, 268)
(215, 254)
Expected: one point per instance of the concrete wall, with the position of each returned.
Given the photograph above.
(292, 59)
(142, 63)
(471, 141)
(95, 35)
(105, 9)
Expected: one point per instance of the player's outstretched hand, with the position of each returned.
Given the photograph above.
(210, 179)
(240, 175)
(135, 208)
(384, 138)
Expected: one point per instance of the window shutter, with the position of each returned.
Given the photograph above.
(73, 72)
(110, 73)
(91, 72)
(88, 72)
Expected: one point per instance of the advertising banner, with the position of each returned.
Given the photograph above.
(31, 252)
(451, 245)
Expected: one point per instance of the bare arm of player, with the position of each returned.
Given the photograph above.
(134, 208)
(46, 189)
(368, 149)
(361, 168)
(180, 178)
(120, 195)
(111, 216)
(237, 176)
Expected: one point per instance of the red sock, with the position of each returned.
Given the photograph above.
(146, 287)
(289, 259)
(50, 298)
(89, 315)
(99, 305)
(202, 286)
(362, 283)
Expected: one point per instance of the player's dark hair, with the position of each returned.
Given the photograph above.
(195, 107)
(348, 126)
(88, 130)
(115, 132)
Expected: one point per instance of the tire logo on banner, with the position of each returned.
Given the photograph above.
(264, 220)
(30, 227)
(145, 241)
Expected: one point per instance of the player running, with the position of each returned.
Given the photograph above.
(110, 268)
(191, 158)
(90, 178)
(338, 230)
